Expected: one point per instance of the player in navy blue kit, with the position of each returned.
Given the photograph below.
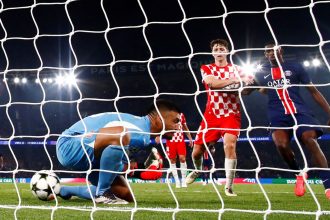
(102, 139)
(286, 102)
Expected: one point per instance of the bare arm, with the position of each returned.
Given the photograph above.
(215, 83)
(319, 99)
(185, 128)
(247, 91)
(263, 91)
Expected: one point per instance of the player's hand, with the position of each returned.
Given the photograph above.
(248, 82)
(157, 140)
(191, 143)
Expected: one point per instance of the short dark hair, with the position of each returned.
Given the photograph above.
(222, 42)
(272, 43)
(163, 104)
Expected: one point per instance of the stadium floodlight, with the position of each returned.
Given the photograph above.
(316, 62)
(249, 68)
(70, 79)
(50, 80)
(307, 63)
(44, 80)
(60, 80)
(37, 80)
(24, 80)
(16, 80)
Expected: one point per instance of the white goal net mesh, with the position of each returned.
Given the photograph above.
(61, 61)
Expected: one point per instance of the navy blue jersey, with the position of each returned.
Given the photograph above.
(283, 101)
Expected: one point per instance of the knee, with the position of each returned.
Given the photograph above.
(231, 146)
(308, 137)
(126, 195)
(282, 144)
(182, 158)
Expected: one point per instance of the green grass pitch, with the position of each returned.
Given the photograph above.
(155, 201)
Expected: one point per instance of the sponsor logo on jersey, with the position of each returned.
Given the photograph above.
(287, 72)
(278, 83)
(265, 77)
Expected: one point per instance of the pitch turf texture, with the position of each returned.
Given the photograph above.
(194, 201)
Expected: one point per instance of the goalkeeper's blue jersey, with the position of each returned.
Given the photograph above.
(137, 127)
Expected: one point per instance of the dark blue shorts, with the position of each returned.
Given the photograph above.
(303, 122)
(207, 163)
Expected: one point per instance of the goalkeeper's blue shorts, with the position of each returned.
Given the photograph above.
(70, 151)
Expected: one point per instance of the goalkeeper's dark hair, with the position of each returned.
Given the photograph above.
(222, 42)
(163, 104)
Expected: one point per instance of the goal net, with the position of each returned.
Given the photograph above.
(61, 61)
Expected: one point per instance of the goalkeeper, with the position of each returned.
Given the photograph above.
(98, 142)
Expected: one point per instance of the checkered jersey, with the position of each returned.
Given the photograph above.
(221, 104)
(178, 136)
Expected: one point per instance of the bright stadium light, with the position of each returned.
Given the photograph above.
(44, 80)
(316, 62)
(16, 80)
(24, 80)
(70, 79)
(259, 67)
(60, 80)
(307, 63)
(37, 80)
(250, 68)
(50, 80)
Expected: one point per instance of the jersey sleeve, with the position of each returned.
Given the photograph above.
(183, 119)
(205, 71)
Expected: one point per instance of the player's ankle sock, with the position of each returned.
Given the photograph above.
(230, 174)
(324, 175)
(198, 163)
(81, 191)
(111, 160)
(183, 167)
(175, 173)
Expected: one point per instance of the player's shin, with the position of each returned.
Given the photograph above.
(183, 167)
(175, 175)
(111, 160)
(230, 165)
(198, 162)
(80, 191)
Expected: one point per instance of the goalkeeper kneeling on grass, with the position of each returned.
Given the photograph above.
(98, 143)
(144, 171)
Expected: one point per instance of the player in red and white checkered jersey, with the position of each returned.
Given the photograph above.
(176, 147)
(222, 113)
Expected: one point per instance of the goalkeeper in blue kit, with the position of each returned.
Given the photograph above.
(99, 141)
